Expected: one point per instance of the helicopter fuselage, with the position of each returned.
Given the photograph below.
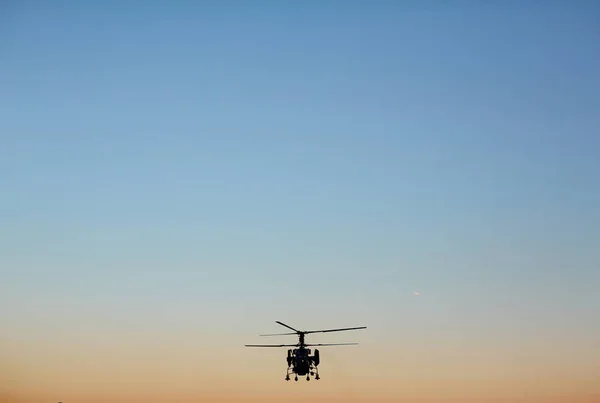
(301, 361)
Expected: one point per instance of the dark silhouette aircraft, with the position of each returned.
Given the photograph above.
(299, 360)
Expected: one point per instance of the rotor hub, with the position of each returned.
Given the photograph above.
(301, 338)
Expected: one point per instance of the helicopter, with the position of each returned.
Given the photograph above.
(299, 360)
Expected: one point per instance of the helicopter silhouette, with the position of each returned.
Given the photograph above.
(299, 360)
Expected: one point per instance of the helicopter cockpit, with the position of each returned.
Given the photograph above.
(302, 352)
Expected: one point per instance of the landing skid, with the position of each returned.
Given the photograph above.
(314, 373)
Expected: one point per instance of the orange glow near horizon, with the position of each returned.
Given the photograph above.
(236, 375)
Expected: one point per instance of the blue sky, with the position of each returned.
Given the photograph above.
(192, 156)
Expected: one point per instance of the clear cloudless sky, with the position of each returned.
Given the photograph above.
(176, 176)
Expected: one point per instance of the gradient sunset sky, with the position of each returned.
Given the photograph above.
(176, 176)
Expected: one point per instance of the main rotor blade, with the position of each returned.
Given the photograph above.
(278, 334)
(335, 330)
(289, 327)
(333, 344)
(270, 345)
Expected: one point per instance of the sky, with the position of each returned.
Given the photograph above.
(175, 177)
